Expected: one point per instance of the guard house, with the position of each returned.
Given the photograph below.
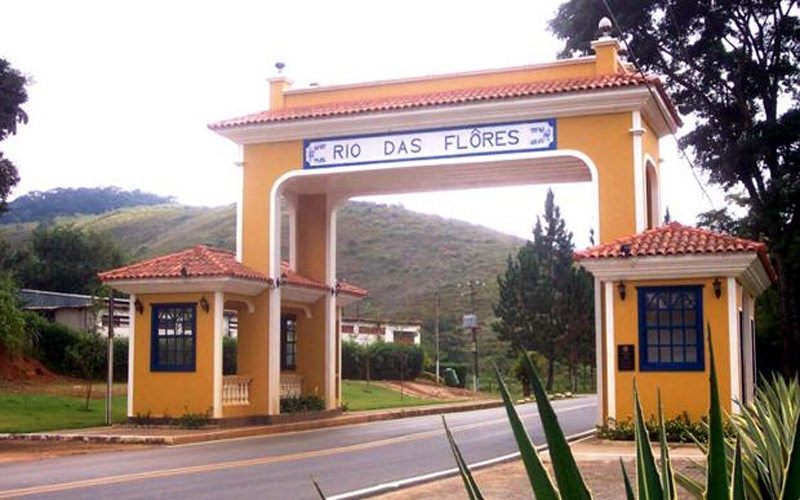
(588, 119)
(657, 295)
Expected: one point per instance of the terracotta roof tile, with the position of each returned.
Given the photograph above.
(198, 261)
(449, 97)
(205, 262)
(676, 239)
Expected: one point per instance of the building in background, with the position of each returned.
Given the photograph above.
(368, 331)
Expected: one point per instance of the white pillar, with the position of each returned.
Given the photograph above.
(637, 131)
(733, 345)
(131, 348)
(330, 305)
(611, 390)
(218, 328)
(274, 333)
(598, 346)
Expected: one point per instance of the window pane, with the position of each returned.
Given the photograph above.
(665, 337)
(678, 337)
(691, 317)
(691, 336)
(677, 354)
(652, 337)
(663, 317)
(652, 354)
(691, 354)
(666, 354)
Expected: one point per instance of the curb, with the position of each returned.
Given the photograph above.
(263, 430)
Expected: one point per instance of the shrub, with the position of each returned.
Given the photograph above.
(520, 369)
(121, 359)
(461, 369)
(302, 404)
(387, 361)
(679, 429)
(229, 356)
(13, 334)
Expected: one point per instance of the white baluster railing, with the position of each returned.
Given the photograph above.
(235, 390)
(291, 385)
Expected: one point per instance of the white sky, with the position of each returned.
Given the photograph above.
(124, 90)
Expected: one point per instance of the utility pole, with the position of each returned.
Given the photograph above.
(436, 333)
(471, 322)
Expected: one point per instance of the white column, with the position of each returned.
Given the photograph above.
(638, 172)
(131, 348)
(611, 390)
(274, 334)
(239, 204)
(733, 345)
(218, 328)
(598, 346)
(330, 314)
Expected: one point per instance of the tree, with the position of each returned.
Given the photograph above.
(13, 336)
(541, 292)
(67, 259)
(732, 66)
(12, 97)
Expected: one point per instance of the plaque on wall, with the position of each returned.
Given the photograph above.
(626, 358)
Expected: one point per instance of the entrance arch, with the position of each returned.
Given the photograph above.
(581, 120)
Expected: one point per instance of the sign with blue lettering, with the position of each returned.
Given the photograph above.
(491, 139)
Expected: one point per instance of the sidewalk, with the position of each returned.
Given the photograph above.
(167, 435)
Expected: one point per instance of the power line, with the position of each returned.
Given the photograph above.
(637, 67)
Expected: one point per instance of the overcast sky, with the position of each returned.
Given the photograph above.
(123, 90)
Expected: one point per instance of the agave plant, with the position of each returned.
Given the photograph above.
(767, 430)
(653, 481)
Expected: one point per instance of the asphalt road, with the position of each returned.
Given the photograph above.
(347, 462)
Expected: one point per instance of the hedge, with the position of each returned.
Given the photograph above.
(386, 361)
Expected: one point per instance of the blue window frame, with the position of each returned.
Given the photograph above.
(671, 328)
(173, 337)
(288, 342)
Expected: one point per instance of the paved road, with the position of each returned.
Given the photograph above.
(343, 460)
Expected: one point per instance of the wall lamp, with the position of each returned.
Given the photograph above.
(335, 288)
(622, 289)
(137, 304)
(717, 284)
(204, 304)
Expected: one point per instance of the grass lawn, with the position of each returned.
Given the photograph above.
(43, 412)
(357, 395)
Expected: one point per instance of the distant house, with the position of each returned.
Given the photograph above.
(84, 313)
(368, 331)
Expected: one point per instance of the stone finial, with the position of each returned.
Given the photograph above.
(605, 27)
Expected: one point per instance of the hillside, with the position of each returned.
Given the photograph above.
(398, 255)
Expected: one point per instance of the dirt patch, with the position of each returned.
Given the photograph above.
(21, 368)
(428, 390)
(509, 480)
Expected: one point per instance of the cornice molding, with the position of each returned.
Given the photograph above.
(504, 110)
(745, 267)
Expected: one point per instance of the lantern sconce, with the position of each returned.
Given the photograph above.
(204, 304)
(137, 304)
(622, 289)
(717, 284)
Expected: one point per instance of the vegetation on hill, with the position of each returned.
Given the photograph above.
(39, 206)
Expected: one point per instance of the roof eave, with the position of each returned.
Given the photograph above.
(746, 267)
(229, 284)
(557, 105)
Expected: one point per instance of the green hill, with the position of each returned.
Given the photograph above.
(400, 256)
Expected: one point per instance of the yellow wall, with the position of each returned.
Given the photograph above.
(679, 390)
(311, 349)
(173, 393)
(252, 352)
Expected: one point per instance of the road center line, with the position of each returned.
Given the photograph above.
(196, 469)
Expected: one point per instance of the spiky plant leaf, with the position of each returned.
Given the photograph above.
(717, 471)
(541, 483)
(471, 486)
(791, 476)
(737, 479)
(646, 470)
(667, 474)
(568, 477)
(628, 488)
